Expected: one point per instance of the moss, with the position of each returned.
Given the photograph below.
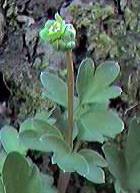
(112, 35)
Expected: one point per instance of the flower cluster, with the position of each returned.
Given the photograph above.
(59, 34)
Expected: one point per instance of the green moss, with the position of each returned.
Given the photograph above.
(111, 35)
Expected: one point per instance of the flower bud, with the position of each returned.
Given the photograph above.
(59, 34)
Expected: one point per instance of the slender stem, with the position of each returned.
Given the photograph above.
(63, 181)
(65, 177)
(70, 83)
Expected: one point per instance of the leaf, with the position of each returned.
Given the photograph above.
(3, 156)
(125, 164)
(1, 187)
(94, 157)
(31, 140)
(72, 162)
(55, 144)
(107, 93)
(116, 163)
(40, 127)
(84, 77)
(98, 124)
(47, 182)
(106, 73)
(31, 130)
(45, 116)
(21, 177)
(132, 154)
(27, 179)
(93, 86)
(10, 140)
(132, 151)
(95, 161)
(117, 187)
(55, 88)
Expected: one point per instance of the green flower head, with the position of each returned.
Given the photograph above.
(59, 34)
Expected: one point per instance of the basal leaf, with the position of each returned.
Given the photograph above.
(47, 182)
(106, 73)
(84, 77)
(132, 151)
(54, 88)
(132, 154)
(98, 124)
(55, 144)
(32, 130)
(3, 156)
(73, 162)
(26, 179)
(105, 94)
(125, 164)
(39, 126)
(1, 186)
(45, 116)
(21, 177)
(31, 140)
(95, 162)
(116, 163)
(94, 86)
(10, 140)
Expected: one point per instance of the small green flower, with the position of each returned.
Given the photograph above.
(59, 34)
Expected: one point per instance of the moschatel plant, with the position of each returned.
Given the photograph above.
(86, 117)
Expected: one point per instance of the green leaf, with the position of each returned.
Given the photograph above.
(72, 162)
(1, 186)
(55, 88)
(106, 73)
(125, 164)
(93, 86)
(117, 188)
(99, 124)
(31, 130)
(27, 179)
(107, 93)
(47, 182)
(31, 140)
(45, 116)
(3, 156)
(84, 77)
(55, 144)
(95, 161)
(10, 140)
(21, 177)
(132, 154)
(117, 164)
(40, 127)
(132, 151)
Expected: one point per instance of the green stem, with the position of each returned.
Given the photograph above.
(65, 177)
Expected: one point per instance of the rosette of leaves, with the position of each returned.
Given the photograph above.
(59, 34)
(92, 118)
(124, 164)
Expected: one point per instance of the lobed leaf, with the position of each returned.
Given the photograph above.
(94, 86)
(10, 140)
(54, 88)
(41, 127)
(26, 179)
(95, 162)
(99, 124)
